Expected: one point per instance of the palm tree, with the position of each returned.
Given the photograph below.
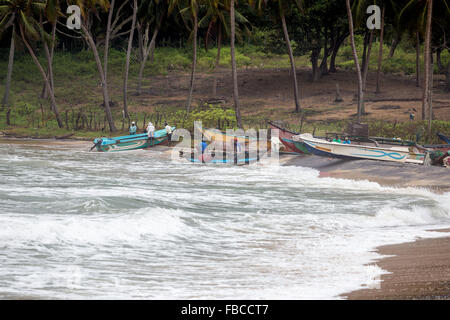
(427, 55)
(25, 13)
(189, 13)
(7, 17)
(355, 57)
(127, 64)
(417, 16)
(216, 23)
(88, 7)
(282, 5)
(151, 13)
(281, 8)
(52, 11)
(380, 50)
(233, 66)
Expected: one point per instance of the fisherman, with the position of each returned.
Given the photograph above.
(203, 145)
(150, 133)
(169, 133)
(346, 141)
(133, 128)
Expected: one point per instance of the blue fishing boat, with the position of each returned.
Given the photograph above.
(239, 159)
(131, 142)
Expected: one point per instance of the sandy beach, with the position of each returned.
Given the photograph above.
(418, 270)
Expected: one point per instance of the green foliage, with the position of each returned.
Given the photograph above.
(211, 116)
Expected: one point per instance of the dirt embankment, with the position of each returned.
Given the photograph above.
(269, 93)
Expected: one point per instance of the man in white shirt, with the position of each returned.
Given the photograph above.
(169, 133)
(151, 133)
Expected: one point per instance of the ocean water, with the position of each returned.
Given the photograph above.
(135, 225)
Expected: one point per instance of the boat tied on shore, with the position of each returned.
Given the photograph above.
(374, 150)
(130, 142)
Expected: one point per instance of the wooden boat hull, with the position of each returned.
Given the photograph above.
(217, 135)
(325, 148)
(285, 137)
(237, 159)
(301, 146)
(126, 146)
(131, 142)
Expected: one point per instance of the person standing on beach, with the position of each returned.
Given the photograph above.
(151, 133)
(169, 133)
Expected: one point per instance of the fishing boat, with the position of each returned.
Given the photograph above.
(226, 138)
(130, 142)
(443, 138)
(374, 150)
(285, 137)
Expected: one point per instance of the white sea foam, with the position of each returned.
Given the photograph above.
(132, 225)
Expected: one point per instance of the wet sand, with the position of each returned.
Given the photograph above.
(382, 172)
(418, 270)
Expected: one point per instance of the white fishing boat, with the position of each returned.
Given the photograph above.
(361, 150)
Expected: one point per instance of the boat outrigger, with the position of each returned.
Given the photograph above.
(131, 142)
(383, 149)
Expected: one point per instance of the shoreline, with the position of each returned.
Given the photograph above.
(392, 174)
(418, 270)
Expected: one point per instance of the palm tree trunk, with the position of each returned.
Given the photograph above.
(314, 64)
(417, 59)
(364, 55)
(127, 64)
(144, 59)
(233, 67)
(336, 47)
(427, 58)
(430, 97)
(355, 57)
(44, 93)
(394, 44)
(44, 75)
(194, 64)
(291, 58)
(91, 43)
(108, 34)
(366, 66)
(324, 64)
(219, 43)
(380, 51)
(52, 89)
(5, 100)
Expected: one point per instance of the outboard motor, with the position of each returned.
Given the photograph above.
(97, 143)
